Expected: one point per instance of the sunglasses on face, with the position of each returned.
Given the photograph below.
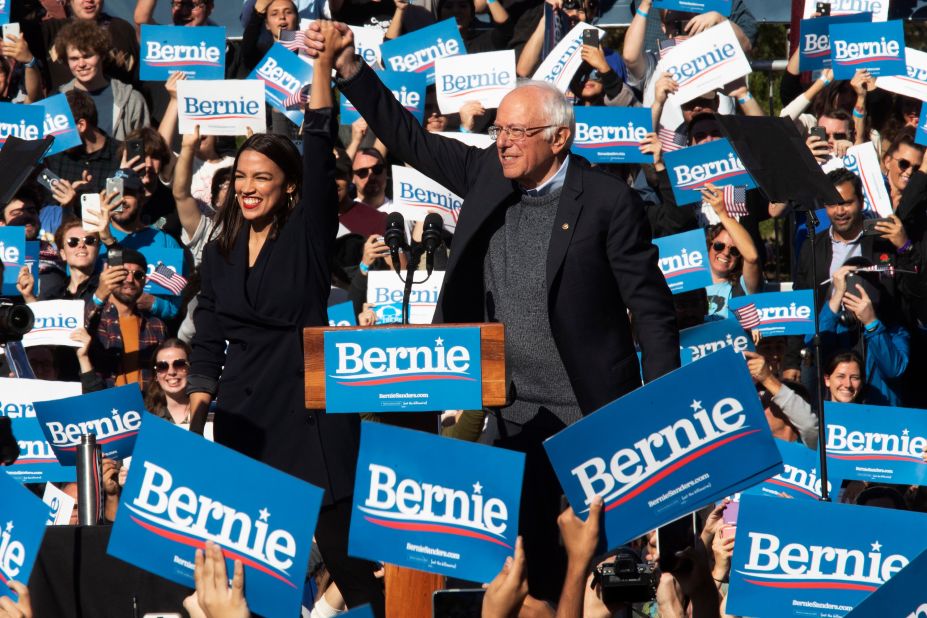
(719, 247)
(838, 136)
(703, 135)
(364, 171)
(138, 275)
(903, 164)
(88, 241)
(179, 364)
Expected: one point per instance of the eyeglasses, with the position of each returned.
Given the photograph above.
(719, 247)
(701, 136)
(88, 241)
(516, 134)
(364, 171)
(838, 136)
(188, 4)
(138, 275)
(179, 364)
(903, 164)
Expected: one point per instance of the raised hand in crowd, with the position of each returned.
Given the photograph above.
(580, 538)
(893, 231)
(65, 192)
(702, 22)
(83, 352)
(469, 112)
(214, 598)
(594, 56)
(507, 591)
(651, 145)
(819, 148)
(16, 48)
(860, 304)
(25, 284)
(374, 249)
(664, 86)
(111, 488)
(358, 133)
(723, 549)
(16, 609)
(839, 287)
(110, 279)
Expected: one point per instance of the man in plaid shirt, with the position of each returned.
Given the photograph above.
(123, 337)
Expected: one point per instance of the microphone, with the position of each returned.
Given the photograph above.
(431, 238)
(395, 237)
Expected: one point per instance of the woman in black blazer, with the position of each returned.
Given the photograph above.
(265, 277)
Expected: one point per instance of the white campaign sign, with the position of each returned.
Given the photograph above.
(863, 161)
(480, 140)
(55, 320)
(17, 395)
(367, 43)
(221, 107)
(705, 62)
(564, 60)
(384, 292)
(914, 84)
(60, 505)
(415, 195)
(878, 8)
(483, 77)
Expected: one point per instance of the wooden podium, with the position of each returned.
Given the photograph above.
(408, 592)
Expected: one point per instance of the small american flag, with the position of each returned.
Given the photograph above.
(748, 316)
(168, 279)
(735, 201)
(671, 140)
(294, 40)
(668, 44)
(298, 99)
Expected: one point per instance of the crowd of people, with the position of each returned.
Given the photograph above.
(273, 234)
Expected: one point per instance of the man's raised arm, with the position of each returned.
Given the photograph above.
(447, 161)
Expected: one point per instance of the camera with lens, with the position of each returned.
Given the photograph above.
(627, 579)
(15, 321)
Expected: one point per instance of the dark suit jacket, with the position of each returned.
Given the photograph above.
(600, 261)
(261, 311)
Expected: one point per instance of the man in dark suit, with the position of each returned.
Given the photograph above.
(557, 251)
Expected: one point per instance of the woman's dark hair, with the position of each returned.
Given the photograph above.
(284, 154)
(712, 232)
(152, 143)
(222, 176)
(849, 356)
(154, 397)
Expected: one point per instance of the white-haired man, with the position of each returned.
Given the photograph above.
(554, 249)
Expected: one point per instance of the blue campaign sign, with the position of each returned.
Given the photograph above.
(811, 558)
(37, 462)
(684, 261)
(814, 40)
(22, 121)
(781, 313)
(283, 74)
(878, 47)
(435, 504)
(199, 52)
(5, 11)
(155, 256)
(877, 443)
(114, 415)
(815, 50)
(714, 162)
(612, 134)
(416, 52)
(699, 341)
(695, 6)
(704, 436)
(342, 314)
(170, 508)
(408, 88)
(13, 255)
(22, 526)
(403, 370)
(921, 137)
(59, 123)
(799, 478)
(904, 593)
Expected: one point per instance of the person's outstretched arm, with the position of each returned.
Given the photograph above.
(447, 161)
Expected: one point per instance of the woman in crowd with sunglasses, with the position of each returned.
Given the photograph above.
(264, 278)
(732, 257)
(166, 395)
(78, 249)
